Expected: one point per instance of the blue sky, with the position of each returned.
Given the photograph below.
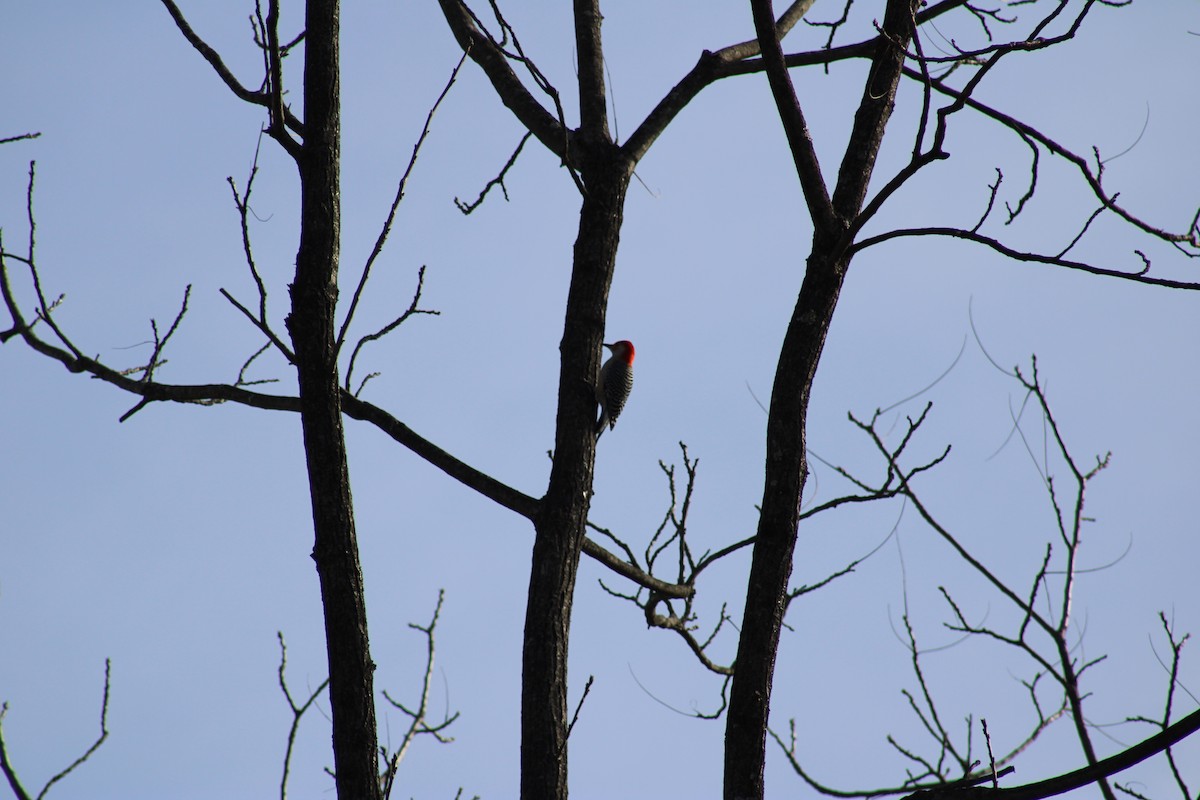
(177, 543)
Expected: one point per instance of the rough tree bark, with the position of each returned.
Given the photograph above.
(561, 522)
(313, 327)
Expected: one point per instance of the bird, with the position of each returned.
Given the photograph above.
(614, 384)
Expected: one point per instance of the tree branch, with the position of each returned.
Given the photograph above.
(259, 98)
(1020, 255)
(297, 712)
(1079, 778)
(512, 92)
(1092, 177)
(209, 394)
(589, 55)
(391, 217)
(795, 127)
(418, 724)
(10, 773)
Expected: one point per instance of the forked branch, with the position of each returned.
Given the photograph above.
(1053, 657)
(488, 53)
(419, 724)
(386, 230)
(1163, 723)
(298, 710)
(211, 394)
(670, 539)
(265, 97)
(10, 772)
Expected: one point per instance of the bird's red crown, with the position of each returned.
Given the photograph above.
(622, 349)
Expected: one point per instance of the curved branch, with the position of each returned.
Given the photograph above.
(464, 473)
(488, 55)
(1105, 768)
(680, 625)
(9, 772)
(1020, 255)
(633, 573)
(413, 309)
(211, 394)
(968, 788)
(789, 752)
(298, 712)
(740, 59)
(386, 230)
(1090, 176)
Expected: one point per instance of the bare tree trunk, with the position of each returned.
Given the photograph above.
(834, 221)
(771, 566)
(563, 513)
(312, 325)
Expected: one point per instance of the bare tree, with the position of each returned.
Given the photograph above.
(839, 208)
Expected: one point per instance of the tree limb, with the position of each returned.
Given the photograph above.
(259, 98)
(512, 92)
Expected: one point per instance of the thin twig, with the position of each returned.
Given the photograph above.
(297, 712)
(391, 215)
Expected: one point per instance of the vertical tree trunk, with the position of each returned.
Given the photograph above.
(560, 522)
(771, 566)
(312, 325)
(786, 458)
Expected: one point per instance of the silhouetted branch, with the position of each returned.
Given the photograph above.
(20, 137)
(833, 25)
(788, 20)
(1055, 660)
(889, 486)
(262, 325)
(791, 115)
(789, 752)
(1034, 41)
(935, 150)
(1058, 662)
(672, 533)
(44, 308)
(273, 53)
(735, 59)
(467, 208)
(1029, 257)
(155, 359)
(241, 378)
(968, 789)
(262, 98)
(926, 710)
(671, 536)
(387, 225)
(297, 712)
(1092, 177)
(1164, 723)
(587, 688)
(1079, 778)
(10, 773)
(352, 406)
(418, 725)
(242, 203)
(491, 57)
(391, 326)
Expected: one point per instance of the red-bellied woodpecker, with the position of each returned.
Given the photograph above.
(612, 388)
